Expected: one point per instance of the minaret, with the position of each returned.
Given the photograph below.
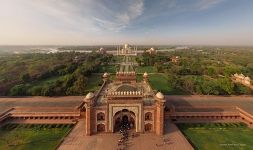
(160, 105)
(89, 113)
(117, 50)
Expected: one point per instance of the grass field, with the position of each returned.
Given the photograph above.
(159, 82)
(109, 69)
(148, 69)
(218, 136)
(31, 137)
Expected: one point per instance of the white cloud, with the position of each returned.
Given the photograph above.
(118, 17)
(206, 4)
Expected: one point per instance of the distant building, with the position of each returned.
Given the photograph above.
(182, 48)
(127, 50)
(151, 51)
(242, 79)
(101, 51)
(175, 59)
(76, 59)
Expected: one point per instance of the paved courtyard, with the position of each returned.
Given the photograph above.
(173, 140)
(38, 101)
(244, 102)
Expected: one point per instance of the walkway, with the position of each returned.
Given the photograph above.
(77, 140)
(173, 140)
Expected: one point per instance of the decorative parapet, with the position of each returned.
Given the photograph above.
(132, 73)
(126, 76)
(125, 94)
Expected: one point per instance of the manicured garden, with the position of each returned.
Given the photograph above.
(148, 69)
(107, 68)
(160, 82)
(30, 136)
(218, 136)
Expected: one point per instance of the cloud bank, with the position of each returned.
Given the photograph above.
(91, 21)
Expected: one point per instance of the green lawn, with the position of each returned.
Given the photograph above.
(109, 69)
(148, 69)
(160, 82)
(31, 137)
(218, 136)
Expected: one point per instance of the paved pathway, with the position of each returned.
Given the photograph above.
(173, 140)
(77, 140)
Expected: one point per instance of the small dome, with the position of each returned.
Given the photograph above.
(89, 95)
(247, 78)
(159, 95)
(126, 46)
(105, 75)
(145, 74)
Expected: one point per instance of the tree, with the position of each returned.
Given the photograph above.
(18, 90)
(47, 91)
(36, 91)
(79, 85)
(209, 87)
(25, 77)
(226, 86)
(241, 89)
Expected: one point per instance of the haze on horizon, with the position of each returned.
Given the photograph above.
(88, 22)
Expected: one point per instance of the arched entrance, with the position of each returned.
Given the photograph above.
(100, 128)
(148, 127)
(124, 119)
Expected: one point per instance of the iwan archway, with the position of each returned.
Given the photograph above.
(124, 119)
(120, 113)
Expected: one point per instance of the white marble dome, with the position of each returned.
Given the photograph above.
(145, 74)
(105, 75)
(159, 95)
(90, 95)
(126, 46)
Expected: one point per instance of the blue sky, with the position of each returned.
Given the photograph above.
(87, 22)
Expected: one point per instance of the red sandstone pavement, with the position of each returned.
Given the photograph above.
(244, 102)
(173, 140)
(38, 101)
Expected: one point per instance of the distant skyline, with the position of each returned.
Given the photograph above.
(109, 22)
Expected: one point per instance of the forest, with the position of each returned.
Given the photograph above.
(49, 74)
(204, 71)
(200, 70)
